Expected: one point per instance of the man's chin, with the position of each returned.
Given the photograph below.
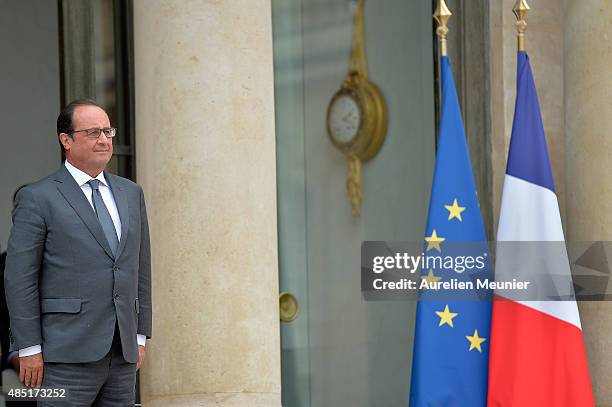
(104, 158)
(104, 155)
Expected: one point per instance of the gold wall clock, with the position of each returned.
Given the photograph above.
(357, 113)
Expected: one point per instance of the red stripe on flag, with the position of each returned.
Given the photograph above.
(536, 360)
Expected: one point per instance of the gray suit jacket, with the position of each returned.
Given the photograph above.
(64, 287)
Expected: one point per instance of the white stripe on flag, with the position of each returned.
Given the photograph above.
(530, 213)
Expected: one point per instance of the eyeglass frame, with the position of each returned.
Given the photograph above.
(98, 130)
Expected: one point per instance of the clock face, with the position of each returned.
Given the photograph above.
(344, 119)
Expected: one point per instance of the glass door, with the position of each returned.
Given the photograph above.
(341, 350)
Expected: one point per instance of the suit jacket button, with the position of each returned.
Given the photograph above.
(116, 296)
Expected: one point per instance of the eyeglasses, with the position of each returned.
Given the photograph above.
(94, 134)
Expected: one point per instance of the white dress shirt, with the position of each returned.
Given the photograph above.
(81, 179)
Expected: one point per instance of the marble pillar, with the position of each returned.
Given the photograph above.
(588, 122)
(205, 153)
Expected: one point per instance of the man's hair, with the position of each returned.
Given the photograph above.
(64, 120)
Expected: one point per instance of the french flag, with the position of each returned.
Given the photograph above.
(537, 355)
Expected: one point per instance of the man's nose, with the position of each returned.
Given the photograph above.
(103, 139)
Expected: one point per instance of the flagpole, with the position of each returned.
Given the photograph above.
(520, 9)
(442, 14)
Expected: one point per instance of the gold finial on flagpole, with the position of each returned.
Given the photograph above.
(520, 10)
(442, 15)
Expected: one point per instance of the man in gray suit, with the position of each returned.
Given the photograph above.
(78, 271)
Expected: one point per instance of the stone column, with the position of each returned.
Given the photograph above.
(588, 123)
(78, 58)
(205, 153)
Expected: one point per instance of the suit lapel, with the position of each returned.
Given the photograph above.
(122, 206)
(73, 193)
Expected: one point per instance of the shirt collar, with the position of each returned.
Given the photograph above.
(82, 178)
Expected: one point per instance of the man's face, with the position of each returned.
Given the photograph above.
(82, 151)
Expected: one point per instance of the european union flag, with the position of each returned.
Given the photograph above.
(451, 344)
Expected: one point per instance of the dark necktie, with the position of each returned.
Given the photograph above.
(103, 215)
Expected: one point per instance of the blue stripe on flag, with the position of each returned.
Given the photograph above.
(528, 155)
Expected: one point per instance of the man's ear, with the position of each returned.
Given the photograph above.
(65, 139)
